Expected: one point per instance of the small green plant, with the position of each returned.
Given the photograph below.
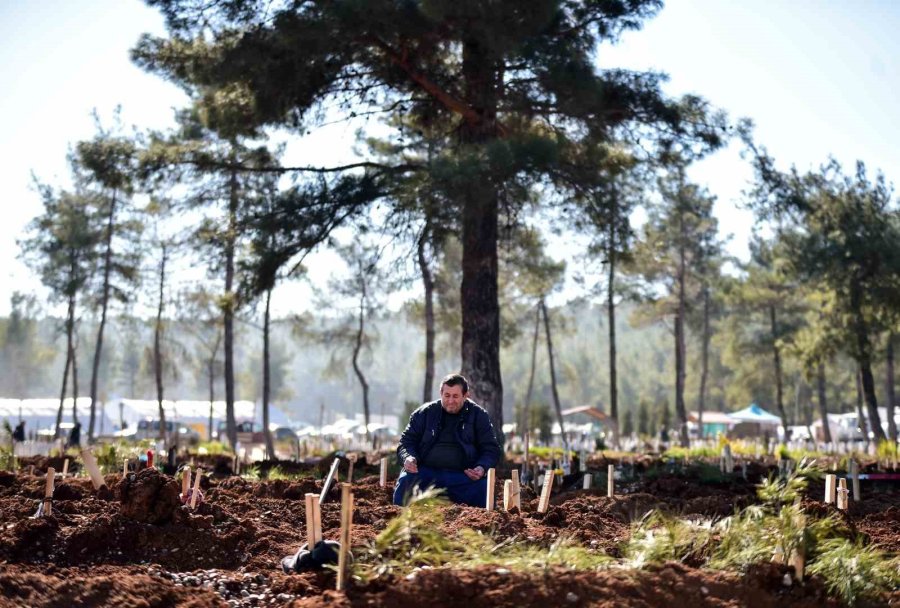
(277, 472)
(886, 450)
(774, 491)
(854, 572)
(480, 549)
(658, 538)
(213, 448)
(251, 473)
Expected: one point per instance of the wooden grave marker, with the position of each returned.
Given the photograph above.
(516, 490)
(491, 479)
(382, 475)
(313, 521)
(346, 525)
(196, 490)
(47, 504)
(87, 457)
(610, 480)
(544, 502)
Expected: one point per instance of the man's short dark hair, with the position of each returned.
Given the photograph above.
(456, 380)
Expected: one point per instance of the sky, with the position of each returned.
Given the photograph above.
(815, 76)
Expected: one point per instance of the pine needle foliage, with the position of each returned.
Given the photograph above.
(854, 572)
(659, 537)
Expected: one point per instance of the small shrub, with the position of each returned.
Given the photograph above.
(854, 572)
(659, 538)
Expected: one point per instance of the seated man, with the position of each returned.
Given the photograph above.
(449, 444)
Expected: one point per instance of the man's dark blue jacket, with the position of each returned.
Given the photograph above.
(475, 433)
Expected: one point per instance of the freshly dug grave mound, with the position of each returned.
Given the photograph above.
(669, 585)
(96, 587)
(149, 497)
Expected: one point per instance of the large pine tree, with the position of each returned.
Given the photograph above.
(514, 82)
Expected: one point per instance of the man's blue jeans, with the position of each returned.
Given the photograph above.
(456, 484)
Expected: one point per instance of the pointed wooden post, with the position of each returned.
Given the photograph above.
(829, 488)
(491, 479)
(586, 483)
(508, 500)
(65, 470)
(346, 525)
(382, 476)
(611, 480)
(842, 494)
(352, 459)
(544, 502)
(313, 520)
(516, 490)
(48, 492)
(87, 457)
(196, 491)
(185, 482)
(854, 474)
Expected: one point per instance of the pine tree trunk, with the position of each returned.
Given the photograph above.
(74, 364)
(479, 301)
(104, 305)
(680, 373)
(611, 318)
(526, 413)
(556, 404)
(428, 284)
(267, 378)
(704, 362)
(779, 382)
(229, 306)
(823, 404)
(70, 315)
(357, 347)
(211, 375)
(889, 388)
(157, 345)
(864, 352)
(860, 416)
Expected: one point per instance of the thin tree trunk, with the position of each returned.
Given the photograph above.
(704, 362)
(889, 389)
(864, 351)
(779, 385)
(74, 376)
(680, 373)
(229, 307)
(860, 416)
(211, 374)
(65, 381)
(479, 298)
(267, 378)
(157, 345)
(104, 304)
(823, 404)
(428, 284)
(611, 317)
(556, 404)
(526, 414)
(360, 334)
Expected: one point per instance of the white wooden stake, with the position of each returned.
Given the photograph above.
(829, 488)
(346, 525)
(586, 484)
(508, 500)
(491, 479)
(854, 472)
(313, 521)
(87, 457)
(842, 494)
(352, 459)
(611, 480)
(125, 469)
(185, 482)
(382, 477)
(516, 489)
(544, 502)
(196, 491)
(48, 492)
(65, 470)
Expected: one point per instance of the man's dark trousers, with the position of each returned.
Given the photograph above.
(457, 485)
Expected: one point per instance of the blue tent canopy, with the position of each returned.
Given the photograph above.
(754, 413)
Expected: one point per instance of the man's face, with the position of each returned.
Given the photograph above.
(452, 398)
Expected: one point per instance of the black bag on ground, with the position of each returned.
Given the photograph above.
(323, 553)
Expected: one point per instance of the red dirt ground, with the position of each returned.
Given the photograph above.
(136, 545)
